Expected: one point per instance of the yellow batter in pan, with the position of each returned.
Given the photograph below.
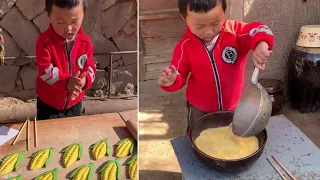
(223, 144)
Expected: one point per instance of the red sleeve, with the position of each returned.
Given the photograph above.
(181, 62)
(90, 68)
(250, 34)
(46, 70)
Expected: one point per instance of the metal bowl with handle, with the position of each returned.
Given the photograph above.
(220, 119)
(254, 109)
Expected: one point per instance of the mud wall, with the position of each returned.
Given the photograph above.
(111, 25)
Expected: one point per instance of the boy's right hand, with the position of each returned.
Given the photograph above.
(168, 76)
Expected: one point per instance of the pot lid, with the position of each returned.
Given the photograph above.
(309, 36)
(271, 85)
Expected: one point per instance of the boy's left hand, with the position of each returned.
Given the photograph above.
(260, 55)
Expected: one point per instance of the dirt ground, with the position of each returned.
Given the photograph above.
(162, 117)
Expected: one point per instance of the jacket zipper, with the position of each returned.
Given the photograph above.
(215, 71)
(69, 67)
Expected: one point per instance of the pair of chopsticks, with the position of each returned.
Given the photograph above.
(27, 122)
(278, 171)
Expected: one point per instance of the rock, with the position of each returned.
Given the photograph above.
(101, 44)
(127, 43)
(114, 18)
(19, 82)
(5, 6)
(98, 93)
(13, 21)
(107, 4)
(28, 76)
(11, 47)
(122, 76)
(131, 26)
(23, 95)
(100, 80)
(33, 65)
(42, 21)
(129, 59)
(21, 61)
(104, 60)
(92, 13)
(8, 76)
(31, 8)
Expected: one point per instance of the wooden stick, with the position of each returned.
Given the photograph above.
(35, 132)
(28, 129)
(18, 135)
(285, 169)
(275, 168)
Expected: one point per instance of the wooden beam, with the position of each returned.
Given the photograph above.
(159, 14)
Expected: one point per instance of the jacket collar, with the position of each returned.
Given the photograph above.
(56, 37)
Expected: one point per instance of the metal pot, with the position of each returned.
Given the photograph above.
(254, 109)
(215, 120)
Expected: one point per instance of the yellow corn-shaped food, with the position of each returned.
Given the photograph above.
(11, 162)
(84, 172)
(41, 158)
(100, 149)
(125, 147)
(111, 170)
(19, 177)
(71, 153)
(49, 175)
(133, 167)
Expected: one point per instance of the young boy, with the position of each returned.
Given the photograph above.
(64, 58)
(214, 52)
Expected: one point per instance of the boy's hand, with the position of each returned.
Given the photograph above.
(260, 55)
(83, 79)
(168, 76)
(74, 83)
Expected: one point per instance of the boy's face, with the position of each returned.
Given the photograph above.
(206, 25)
(67, 22)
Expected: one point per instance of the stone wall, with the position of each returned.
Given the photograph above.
(285, 19)
(111, 25)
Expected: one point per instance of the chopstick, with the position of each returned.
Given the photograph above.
(35, 132)
(28, 129)
(285, 169)
(278, 171)
(18, 135)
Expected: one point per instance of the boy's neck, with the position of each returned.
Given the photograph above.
(71, 39)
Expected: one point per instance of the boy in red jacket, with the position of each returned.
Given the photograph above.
(214, 52)
(64, 58)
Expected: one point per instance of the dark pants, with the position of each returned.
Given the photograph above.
(193, 115)
(45, 111)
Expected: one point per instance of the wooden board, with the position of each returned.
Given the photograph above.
(158, 58)
(160, 4)
(60, 133)
(159, 14)
(160, 45)
(163, 28)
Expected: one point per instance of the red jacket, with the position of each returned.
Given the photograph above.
(216, 84)
(55, 67)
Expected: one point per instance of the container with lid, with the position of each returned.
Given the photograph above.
(274, 88)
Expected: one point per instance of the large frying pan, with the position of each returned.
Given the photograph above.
(254, 109)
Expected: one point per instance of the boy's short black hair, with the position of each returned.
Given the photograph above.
(65, 4)
(199, 5)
